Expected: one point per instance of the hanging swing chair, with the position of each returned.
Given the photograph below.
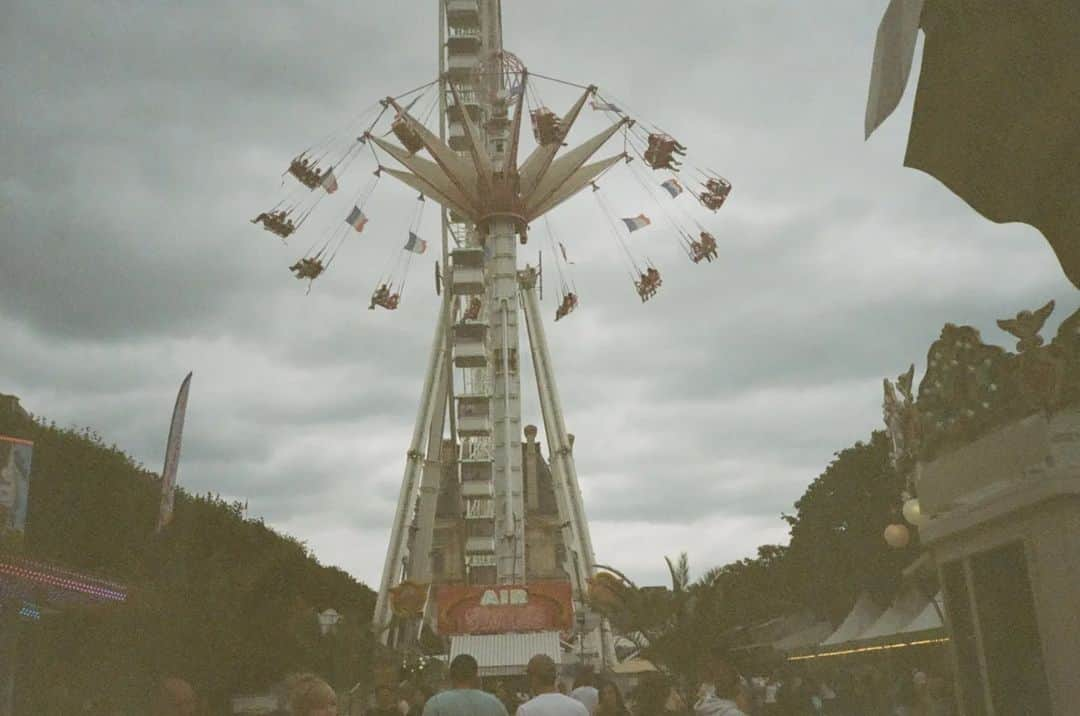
(705, 249)
(385, 297)
(569, 303)
(277, 222)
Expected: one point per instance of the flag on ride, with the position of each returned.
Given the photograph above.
(673, 187)
(329, 182)
(637, 222)
(563, 249)
(172, 456)
(415, 244)
(356, 219)
(605, 107)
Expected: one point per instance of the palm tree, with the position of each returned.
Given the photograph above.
(671, 627)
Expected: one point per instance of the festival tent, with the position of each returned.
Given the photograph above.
(930, 617)
(995, 108)
(808, 637)
(907, 606)
(863, 615)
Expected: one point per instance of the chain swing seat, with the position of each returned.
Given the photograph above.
(406, 134)
(276, 222)
(662, 151)
(704, 249)
(569, 303)
(385, 298)
(647, 285)
(306, 171)
(309, 268)
(547, 127)
(715, 194)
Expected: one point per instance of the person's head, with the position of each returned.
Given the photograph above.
(175, 697)
(722, 672)
(501, 690)
(542, 674)
(585, 676)
(419, 695)
(384, 696)
(610, 697)
(311, 696)
(463, 671)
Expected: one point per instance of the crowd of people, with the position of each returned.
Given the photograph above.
(861, 691)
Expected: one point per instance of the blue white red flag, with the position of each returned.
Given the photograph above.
(415, 244)
(673, 187)
(637, 222)
(329, 182)
(356, 219)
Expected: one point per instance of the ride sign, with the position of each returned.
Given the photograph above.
(495, 609)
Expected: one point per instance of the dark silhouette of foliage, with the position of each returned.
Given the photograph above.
(222, 600)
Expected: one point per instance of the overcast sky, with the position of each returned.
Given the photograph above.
(139, 138)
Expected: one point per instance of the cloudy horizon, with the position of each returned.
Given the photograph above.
(141, 139)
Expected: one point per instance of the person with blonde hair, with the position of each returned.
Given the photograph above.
(175, 697)
(309, 695)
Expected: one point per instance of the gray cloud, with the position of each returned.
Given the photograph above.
(140, 139)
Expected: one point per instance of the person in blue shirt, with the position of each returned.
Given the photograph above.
(465, 697)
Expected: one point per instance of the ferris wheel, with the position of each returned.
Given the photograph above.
(458, 142)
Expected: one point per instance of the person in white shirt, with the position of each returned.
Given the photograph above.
(585, 688)
(546, 700)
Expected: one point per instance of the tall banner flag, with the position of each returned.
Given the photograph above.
(15, 459)
(673, 187)
(172, 456)
(356, 219)
(415, 244)
(637, 222)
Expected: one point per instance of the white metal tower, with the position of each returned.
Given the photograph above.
(472, 389)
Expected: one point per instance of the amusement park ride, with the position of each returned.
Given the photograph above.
(462, 509)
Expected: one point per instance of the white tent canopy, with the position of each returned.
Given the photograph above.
(861, 617)
(930, 618)
(908, 605)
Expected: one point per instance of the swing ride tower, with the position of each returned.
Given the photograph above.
(488, 201)
(488, 538)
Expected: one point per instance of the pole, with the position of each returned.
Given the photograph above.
(414, 462)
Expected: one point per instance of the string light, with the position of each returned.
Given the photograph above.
(54, 579)
(871, 648)
(29, 611)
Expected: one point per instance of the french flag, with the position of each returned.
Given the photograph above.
(329, 182)
(673, 187)
(415, 244)
(637, 222)
(356, 219)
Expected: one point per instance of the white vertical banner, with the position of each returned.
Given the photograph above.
(172, 456)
